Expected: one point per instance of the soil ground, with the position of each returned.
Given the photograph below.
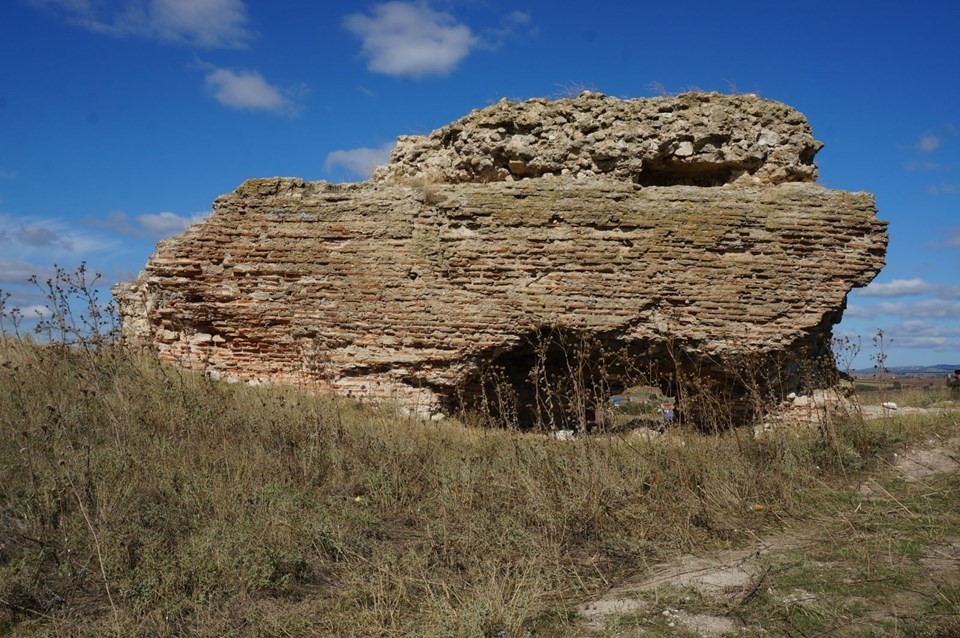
(882, 560)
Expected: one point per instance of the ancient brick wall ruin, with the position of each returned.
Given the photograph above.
(484, 248)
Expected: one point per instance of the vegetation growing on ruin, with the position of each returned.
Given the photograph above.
(140, 499)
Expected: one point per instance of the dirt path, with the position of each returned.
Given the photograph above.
(889, 559)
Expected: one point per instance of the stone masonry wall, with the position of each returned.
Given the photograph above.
(405, 287)
(700, 139)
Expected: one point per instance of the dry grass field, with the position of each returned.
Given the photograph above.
(138, 499)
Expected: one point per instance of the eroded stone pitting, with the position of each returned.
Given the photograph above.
(413, 286)
(694, 139)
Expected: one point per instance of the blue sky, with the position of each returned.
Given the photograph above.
(122, 120)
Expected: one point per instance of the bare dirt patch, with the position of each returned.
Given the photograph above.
(919, 464)
(706, 625)
(725, 578)
(943, 561)
(596, 613)
(890, 410)
(711, 594)
(709, 573)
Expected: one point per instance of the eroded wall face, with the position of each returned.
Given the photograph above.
(681, 237)
(409, 292)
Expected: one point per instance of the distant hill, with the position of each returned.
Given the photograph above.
(940, 369)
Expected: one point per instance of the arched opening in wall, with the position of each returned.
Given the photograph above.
(718, 393)
(560, 378)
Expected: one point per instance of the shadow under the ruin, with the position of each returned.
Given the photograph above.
(561, 378)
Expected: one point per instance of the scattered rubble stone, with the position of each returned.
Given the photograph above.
(700, 139)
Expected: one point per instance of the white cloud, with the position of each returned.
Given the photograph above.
(517, 18)
(117, 221)
(27, 234)
(247, 90)
(899, 288)
(18, 272)
(5, 174)
(925, 309)
(37, 235)
(927, 335)
(509, 25)
(26, 238)
(202, 23)
(860, 311)
(953, 237)
(944, 189)
(914, 165)
(166, 223)
(360, 161)
(205, 23)
(409, 39)
(35, 311)
(928, 143)
(924, 342)
(157, 225)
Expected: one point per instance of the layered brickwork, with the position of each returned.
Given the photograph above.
(388, 291)
(684, 232)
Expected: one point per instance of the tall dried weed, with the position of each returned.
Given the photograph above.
(142, 499)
